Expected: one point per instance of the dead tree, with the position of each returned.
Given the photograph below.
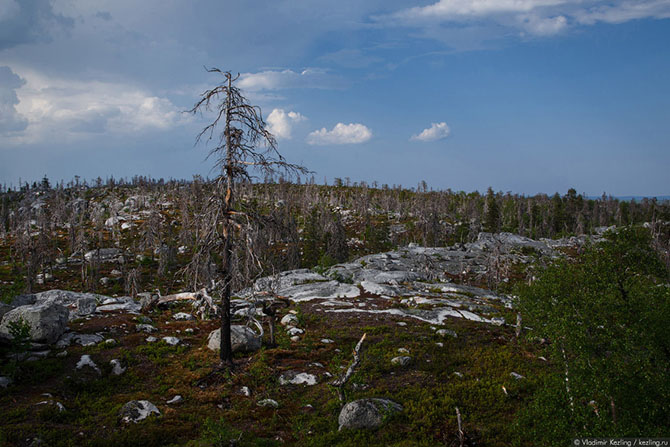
(242, 148)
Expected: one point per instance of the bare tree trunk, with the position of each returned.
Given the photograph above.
(226, 351)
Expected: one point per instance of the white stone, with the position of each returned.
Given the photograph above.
(289, 320)
(295, 331)
(290, 377)
(86, 360)
(117, 369)
(137, 410)
(172, 341)
(175, 400)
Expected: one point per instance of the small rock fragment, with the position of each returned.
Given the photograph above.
(117, 369)
(86, 360)
(175, 400)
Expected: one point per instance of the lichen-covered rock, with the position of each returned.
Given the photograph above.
(146, 328)
(242, 339)
(289, 320)
(137, 410)
(117, 368)
(446, 332)
(367, 413)
(402, 361)
(297, 378)
(172, 341)
(47, 321)
(268, 403)
(86, 362)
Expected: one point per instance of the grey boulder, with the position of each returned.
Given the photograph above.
(242, 339)
(367, 413)
(47, 321)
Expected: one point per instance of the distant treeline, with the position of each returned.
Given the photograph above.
(430, 217)
(306, 224)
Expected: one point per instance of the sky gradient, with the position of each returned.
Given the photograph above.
(525, 96)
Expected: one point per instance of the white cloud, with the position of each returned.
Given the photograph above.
(352, 133)
(537, 17)
(624, 11)
(281, 122)
(275, 80)
(436, 131)
(544, 26)
(454, 9)
(69, 109)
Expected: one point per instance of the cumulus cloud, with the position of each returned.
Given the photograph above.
(436, 131)
(453, 9)
(10, 119)
(276, 80)
(352, 133)
(281, 123)
(624, 11)
(23, 22)
(536, 17)
(69, 109)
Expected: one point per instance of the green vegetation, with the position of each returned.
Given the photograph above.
(605, 315)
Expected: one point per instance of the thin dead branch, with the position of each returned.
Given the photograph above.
(339, 383)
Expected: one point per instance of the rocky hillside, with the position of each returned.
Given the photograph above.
(101, 370)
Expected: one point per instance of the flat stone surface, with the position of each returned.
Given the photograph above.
(47, 321)
(297, 378)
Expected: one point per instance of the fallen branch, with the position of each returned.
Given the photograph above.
(339, 383)
(461, 433)
(201, 300)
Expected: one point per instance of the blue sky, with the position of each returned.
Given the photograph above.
(522, 95)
